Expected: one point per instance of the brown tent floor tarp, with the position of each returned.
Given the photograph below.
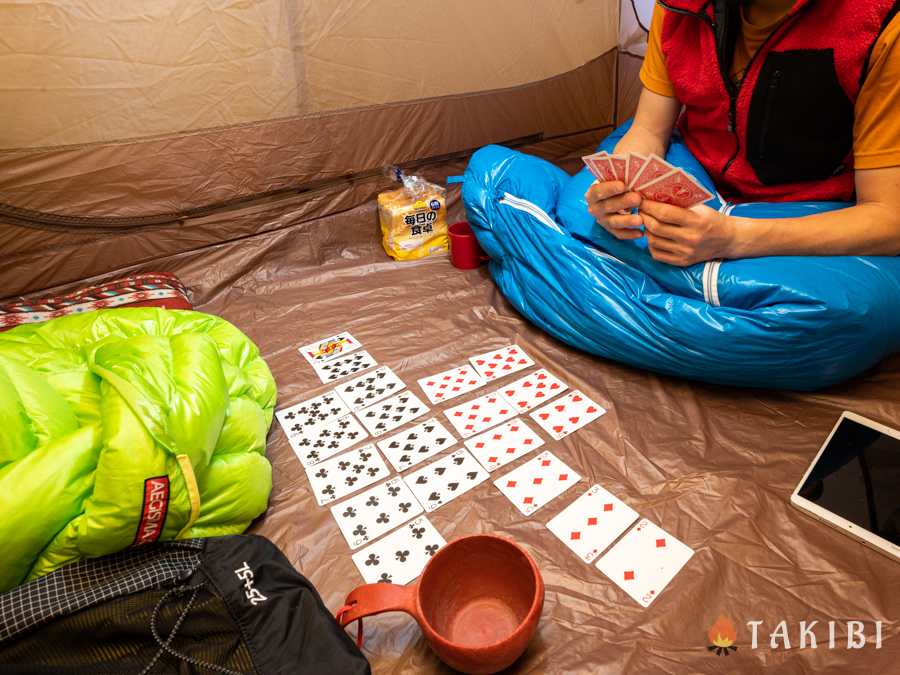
(714, 466)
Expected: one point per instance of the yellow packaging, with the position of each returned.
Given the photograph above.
(413, 227)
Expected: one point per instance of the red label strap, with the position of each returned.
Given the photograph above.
(154, 510)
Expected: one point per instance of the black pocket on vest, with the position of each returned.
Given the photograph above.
(800, 124)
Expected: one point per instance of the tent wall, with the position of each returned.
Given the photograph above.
(126, 130)
(633, 25)
(85, 71)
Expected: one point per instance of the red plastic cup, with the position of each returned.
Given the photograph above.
(477, 602)
(465, 253)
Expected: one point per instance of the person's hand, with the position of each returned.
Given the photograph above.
(683, 237)
(611, 205)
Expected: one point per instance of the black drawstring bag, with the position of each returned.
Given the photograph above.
(222, 605)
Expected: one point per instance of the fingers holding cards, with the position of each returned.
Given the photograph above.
(651, 176)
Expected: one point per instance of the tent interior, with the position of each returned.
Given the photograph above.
(241, 145)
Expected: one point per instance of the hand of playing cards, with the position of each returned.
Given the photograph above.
(652, 177)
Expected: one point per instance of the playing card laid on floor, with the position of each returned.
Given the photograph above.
(379, 509)
(343, 366)
(644, 561)
(479, 414)
(501, 445)
(451, 383)
(392, 413)
(655, 167)
(532, 390)
(329, 348)
(326, 440)
(633, 166)
(445, 479)
(416, 444)
(401, 556)
(569, 413)
(345, 474)
(598, 164)
(306, 415)
(537, 482)
(500, 362)
(675, 188)
(369, 388)
(592, 522)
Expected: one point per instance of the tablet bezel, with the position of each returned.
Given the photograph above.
(819, 513)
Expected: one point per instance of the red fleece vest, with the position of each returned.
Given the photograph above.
(785, 133)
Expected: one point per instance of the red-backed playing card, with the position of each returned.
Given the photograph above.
(676, 188)
(633, 166)
(618, 164)
(655, 167)
(598, 164)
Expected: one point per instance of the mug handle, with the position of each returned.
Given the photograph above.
(371, 599)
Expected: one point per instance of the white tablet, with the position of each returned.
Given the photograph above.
(853, 483)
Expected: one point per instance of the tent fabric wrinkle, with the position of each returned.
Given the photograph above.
(241, 145)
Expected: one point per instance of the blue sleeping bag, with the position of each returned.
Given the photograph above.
(799, 323)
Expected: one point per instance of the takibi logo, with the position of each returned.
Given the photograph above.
(847, 635)
(722, 636)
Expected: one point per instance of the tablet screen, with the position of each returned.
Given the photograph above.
(857, 477)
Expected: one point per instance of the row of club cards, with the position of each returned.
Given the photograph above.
(650, 176)
(376, 403)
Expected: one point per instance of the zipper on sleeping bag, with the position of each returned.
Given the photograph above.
(533, 209)
(544, 218)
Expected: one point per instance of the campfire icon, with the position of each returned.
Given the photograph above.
(722, 636)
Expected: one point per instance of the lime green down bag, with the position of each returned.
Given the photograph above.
(125, 426)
